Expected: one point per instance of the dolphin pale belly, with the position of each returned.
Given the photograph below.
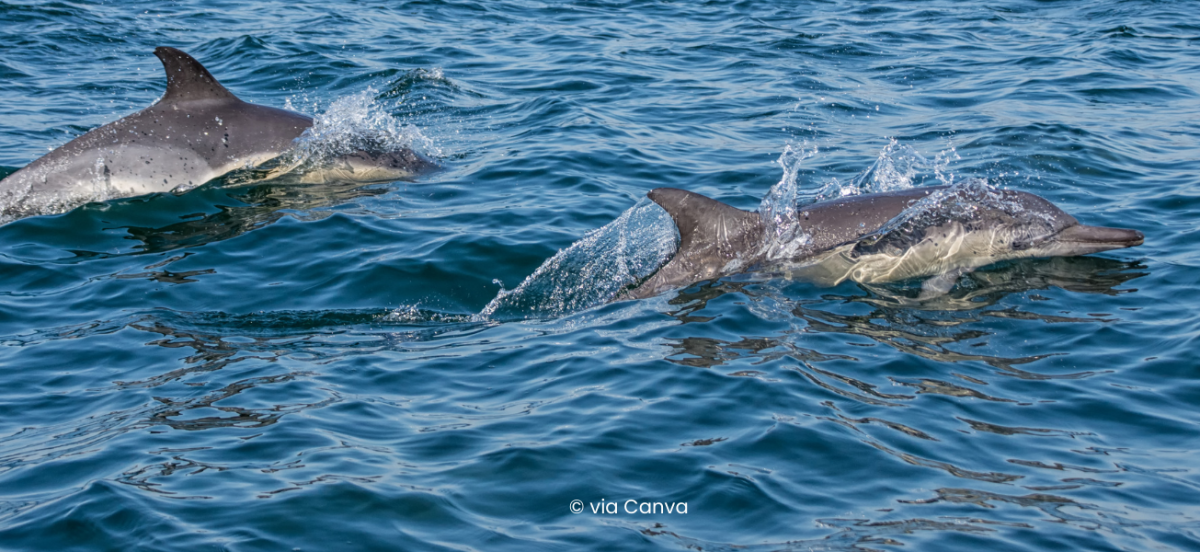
(196, 132)
(941, 232)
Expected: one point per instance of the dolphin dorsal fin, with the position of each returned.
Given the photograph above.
(187, 80)
(705, 222)
(713, 237)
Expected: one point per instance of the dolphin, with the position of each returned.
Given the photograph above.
(941, 231)
(196, 132)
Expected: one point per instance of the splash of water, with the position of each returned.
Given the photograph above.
(779, 207)
(593, 270)
(351, 124)
(897, 167)
(414, 314)
(358, 123)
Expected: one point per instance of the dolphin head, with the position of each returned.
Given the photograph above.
(989, 225)
(1060, 234)
(1081, 239)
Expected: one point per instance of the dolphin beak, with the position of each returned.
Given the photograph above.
(1114, 238)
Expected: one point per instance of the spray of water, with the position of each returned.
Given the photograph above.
(358, 123)
(354, 123)
(414, 314)
(897, 167)
(593, 270)
(779, 207)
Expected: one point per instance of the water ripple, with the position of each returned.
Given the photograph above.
(281, 365)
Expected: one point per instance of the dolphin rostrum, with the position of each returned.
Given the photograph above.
(196, 132)
(941, 231)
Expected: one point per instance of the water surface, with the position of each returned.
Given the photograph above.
(274, 366)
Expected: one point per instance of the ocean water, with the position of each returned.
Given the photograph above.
(438, 364)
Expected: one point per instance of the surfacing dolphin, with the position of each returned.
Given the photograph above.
(196, 132)
(941, 232)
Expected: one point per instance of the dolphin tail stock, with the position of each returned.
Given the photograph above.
(714, 239)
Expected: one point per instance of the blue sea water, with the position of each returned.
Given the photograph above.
(435, 365)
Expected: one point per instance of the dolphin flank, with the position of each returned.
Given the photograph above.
(942, 231)
(196, 132)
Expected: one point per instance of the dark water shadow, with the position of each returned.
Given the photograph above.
(263, 205)
(928, 328)
(218, 339)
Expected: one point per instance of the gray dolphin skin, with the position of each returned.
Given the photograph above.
(875, 238)
(196, 132)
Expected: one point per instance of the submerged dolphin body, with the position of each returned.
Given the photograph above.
(196, 132)
(874, 238)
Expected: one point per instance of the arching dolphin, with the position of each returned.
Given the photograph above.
(196, 132)
(873, 238)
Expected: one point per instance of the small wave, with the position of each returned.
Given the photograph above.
(414, 80)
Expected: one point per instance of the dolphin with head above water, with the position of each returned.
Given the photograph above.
(196, 132)
(941, 232)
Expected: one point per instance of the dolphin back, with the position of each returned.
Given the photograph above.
(197, 131)
(716, 239)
